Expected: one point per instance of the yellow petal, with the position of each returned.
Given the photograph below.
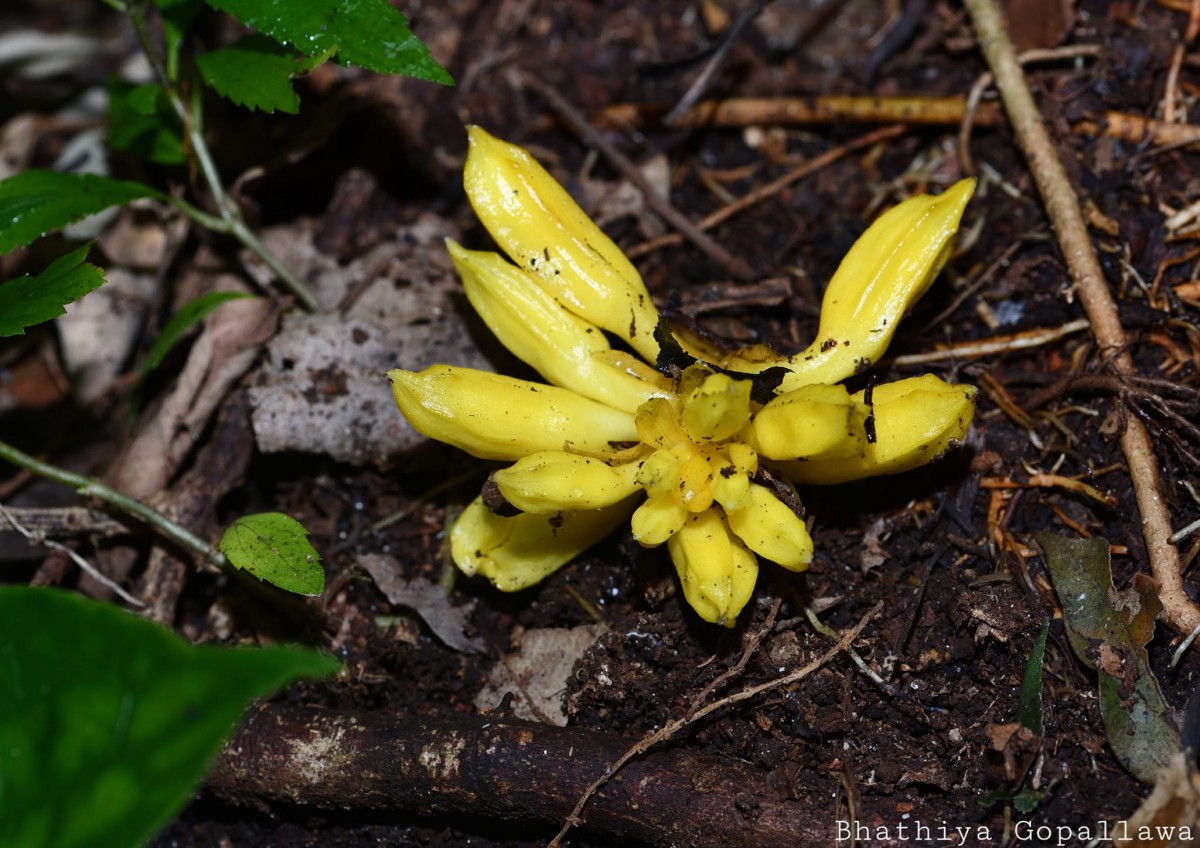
(717, 408)
(811, 421)
(657, 520)
(553, 481)
(658, 474)
(560, 345)
(658, 424)
(884, 274)
(537, 223)
(496, 417)
(771, 529)
(515, 553)
(716, 570)
(916, 421)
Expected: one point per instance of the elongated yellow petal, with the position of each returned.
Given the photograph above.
(884, 274)
(717, 408)
(553, 481)
(562, 347)
(496, 417)
(514, 553)
(716, 570)
(916, 421)
(771, 529)
(816, 421)
(659, 518)
(536, 222)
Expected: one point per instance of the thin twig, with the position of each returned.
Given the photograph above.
(813, 165)
(733, 264)
(1063, 209)
(727, 39)
(87, 567)
(673, 727)
(92, 488)
(190, 117)
(989, 347)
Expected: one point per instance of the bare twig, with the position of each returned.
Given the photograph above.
(1062, 207)
(87, 567)
(673, 727)
(733, 264)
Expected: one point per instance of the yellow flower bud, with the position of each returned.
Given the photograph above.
(515, 553)
(715, 569)
(811, 421)
(496, 417)
(770, 529)
(916, 421)
(537, 223)
(560, 345)
(884, 274)
(553, 481)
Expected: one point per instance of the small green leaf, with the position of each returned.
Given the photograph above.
(192, 313)
(30, 300)
(255, 72)
(1029, 710)
(108, 721)
(274, 547)
(140, 120)
(1108, 630)
(33, 202)
(368, 33)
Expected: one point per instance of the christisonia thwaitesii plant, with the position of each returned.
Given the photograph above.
(700, 456)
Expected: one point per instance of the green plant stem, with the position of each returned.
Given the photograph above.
(231, 215)
(92, 488)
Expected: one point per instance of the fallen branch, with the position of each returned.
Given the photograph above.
(1062, 207)
(514, 771)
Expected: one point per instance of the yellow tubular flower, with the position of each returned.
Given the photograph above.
(709, 461)
(562, 347)
(884, 274)
(716, 570)
(515, 553)
(541, 228)
(916, 421)
(495, 417)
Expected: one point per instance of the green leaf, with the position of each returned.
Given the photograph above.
(34, 202)
(28, 300)
(192, 313)
(274, 547)
(368, 33)
(141, 121)
(1108, 630)
(108, 721)
(1029, 709)
(255, 72)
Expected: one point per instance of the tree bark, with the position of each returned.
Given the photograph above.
(511, 770)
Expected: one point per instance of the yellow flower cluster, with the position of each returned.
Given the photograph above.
(702, 455)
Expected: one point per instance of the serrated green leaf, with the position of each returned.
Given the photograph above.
(108, 721)
(30, 300)
(34, 202)
(1029, 708)
(140, 120)
(190, 314)
(1108, 630)
(255, 72)
(368, 33)
(274, 547)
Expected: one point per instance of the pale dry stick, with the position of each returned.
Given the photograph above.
(981, 85)
(775, 186)
(1062, 207)
(84, 565)
(989, 347)
(673, 727)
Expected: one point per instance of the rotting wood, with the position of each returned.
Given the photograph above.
(511, 770)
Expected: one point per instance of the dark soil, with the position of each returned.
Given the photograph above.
(952, 559)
